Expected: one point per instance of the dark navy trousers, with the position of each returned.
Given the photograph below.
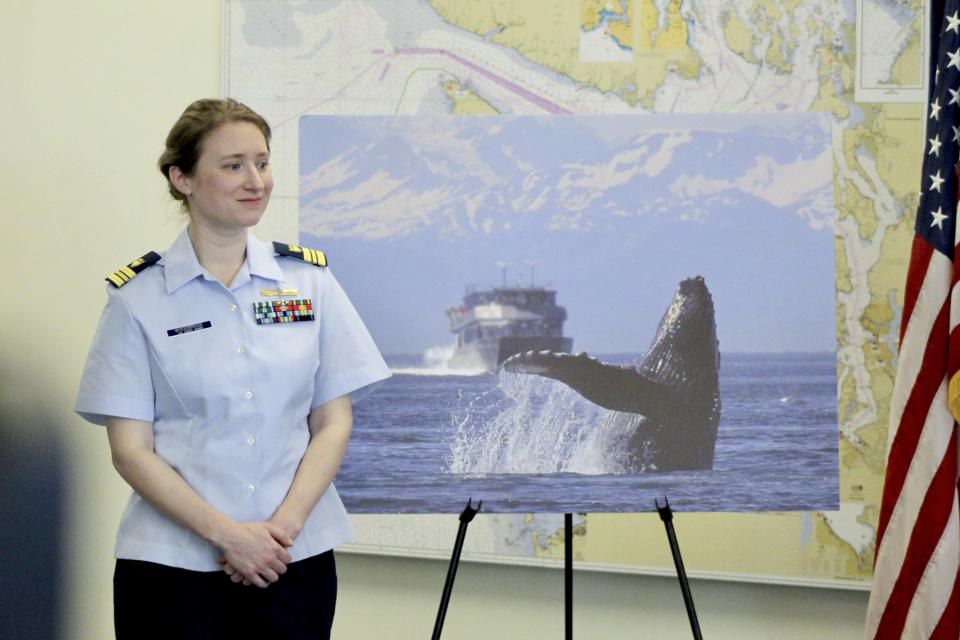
(156, 601)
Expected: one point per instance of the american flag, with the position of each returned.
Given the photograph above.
(916, 578)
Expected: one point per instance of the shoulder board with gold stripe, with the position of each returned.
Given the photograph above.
(123, 275)
(301, 253)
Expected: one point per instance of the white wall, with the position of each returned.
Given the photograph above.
(89, 91)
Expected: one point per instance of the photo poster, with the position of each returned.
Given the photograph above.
(585, 313)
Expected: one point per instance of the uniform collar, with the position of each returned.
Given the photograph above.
(181, 265)
(262, 260)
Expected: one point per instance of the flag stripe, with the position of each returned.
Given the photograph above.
(915, 337)
(914, 416)
(924, 338)
(920, 254)
(946, 628)
(931, 522)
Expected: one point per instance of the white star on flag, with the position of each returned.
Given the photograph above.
(938, 218)
(954, 23)
(934, 146)
(954, 59)
(936, 181)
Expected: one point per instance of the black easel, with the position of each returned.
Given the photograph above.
(465, 517)
(667, 516)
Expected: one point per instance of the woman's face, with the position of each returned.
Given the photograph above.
(231, 184)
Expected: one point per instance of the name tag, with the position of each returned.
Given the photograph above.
(279, 311)
(189, 328)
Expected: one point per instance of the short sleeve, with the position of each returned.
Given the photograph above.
(349, 359)
(116, 378)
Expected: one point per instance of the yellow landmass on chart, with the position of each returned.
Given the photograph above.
(548, 33)
(738, 36)
(466, 102)
(590, 13)
(622, 32)
(835, 72)
(671, 35)
(592, 16)
(764, 23)
(766, 13)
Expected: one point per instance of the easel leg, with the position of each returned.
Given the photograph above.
(667, 516)
(465, 517)
(568, 574)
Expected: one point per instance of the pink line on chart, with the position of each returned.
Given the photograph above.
(544, 104)
(384, 72)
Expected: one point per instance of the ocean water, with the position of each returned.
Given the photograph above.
(430, 439)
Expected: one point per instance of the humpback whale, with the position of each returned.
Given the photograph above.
(670, 402)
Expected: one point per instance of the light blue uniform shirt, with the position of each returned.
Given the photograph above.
(228, 398)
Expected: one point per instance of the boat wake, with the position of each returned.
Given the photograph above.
(432, 362)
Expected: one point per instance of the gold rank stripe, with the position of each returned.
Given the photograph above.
(123, 275)
(301, 253)
(316, 257)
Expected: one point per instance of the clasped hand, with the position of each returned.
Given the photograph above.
(256, 553)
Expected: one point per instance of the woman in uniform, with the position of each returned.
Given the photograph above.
(223, 371)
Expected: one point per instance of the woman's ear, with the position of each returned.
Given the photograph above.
(179, 180)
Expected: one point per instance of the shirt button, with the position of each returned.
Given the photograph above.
(251, 440)
(233, 307)
(248, 395)
(241, 349)
(251, 488)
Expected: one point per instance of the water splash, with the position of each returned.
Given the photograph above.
(532, 425)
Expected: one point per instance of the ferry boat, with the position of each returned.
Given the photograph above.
(494, 323)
